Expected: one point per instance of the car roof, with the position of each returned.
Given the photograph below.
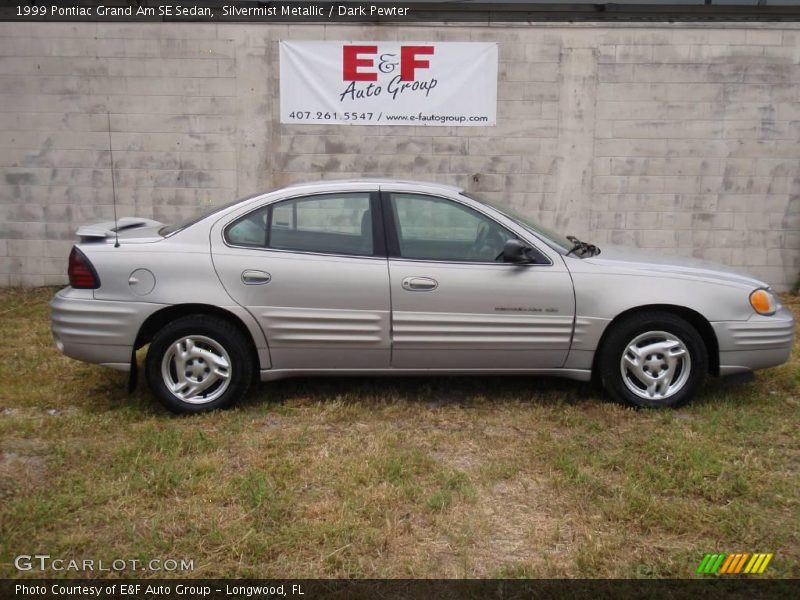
(374, 181)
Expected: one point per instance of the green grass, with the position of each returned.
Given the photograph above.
(445, 477)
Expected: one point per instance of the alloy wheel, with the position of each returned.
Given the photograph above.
(655, 365)
(196, 369)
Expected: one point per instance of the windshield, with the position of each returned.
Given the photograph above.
(558, 240)
(197, 217)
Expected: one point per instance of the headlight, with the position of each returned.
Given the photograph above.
(764, 302)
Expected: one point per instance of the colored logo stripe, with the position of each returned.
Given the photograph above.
(734, 563)
(703, 563)
(731, 564)
(758, 563)
(710, 563)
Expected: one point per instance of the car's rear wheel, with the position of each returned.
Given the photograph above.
(653, 359)
(199, 363)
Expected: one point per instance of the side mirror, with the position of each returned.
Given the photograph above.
(515, 251)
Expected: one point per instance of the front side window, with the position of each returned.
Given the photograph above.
(431, 228)
(557, 240)
(329, 224)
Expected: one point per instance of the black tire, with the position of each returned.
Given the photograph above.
(211, 338)
(627, 330)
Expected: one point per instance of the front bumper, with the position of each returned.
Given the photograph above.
(757, 343)
(97, 331)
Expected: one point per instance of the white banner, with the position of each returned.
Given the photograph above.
(389, 83)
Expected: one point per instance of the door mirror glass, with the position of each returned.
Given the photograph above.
(515, 251)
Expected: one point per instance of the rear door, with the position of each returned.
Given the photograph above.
(312, 269)
(455, 305)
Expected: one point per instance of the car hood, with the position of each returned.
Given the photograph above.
(624, 258)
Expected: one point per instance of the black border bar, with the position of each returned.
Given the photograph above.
(707, 588)
(326, 11)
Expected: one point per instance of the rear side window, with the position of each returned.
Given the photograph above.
(329, 224)
(250, 230)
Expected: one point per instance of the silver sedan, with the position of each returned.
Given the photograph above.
(379, 277)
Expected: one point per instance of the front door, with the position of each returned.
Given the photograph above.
(312, 270)
(455, 305)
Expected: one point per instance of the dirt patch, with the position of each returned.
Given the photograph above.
(522, 525)
(462, 461)
(18, 470)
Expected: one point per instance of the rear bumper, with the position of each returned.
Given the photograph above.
(97, 331)
(757, 343)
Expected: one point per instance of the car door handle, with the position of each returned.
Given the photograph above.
(419, 284)
(253, 277)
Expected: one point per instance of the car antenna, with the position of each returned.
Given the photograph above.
(113, 183)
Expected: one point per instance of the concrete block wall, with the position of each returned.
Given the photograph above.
(677, 137)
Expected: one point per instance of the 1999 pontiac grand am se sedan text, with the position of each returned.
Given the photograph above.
(380, 277)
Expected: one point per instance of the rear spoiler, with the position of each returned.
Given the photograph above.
(107, 229)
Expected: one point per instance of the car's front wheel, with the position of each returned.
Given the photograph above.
(653, 359)
(198, 363)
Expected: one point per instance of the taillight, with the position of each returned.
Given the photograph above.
(81, 273)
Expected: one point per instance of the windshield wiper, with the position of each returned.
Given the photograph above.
(582, 247)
